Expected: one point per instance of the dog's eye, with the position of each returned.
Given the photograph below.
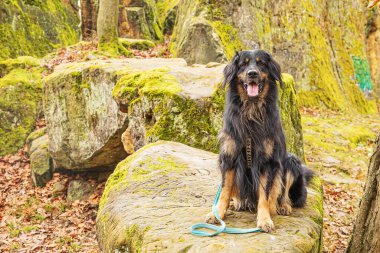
(261, 63)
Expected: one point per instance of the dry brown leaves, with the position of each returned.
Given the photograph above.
(344, 177)
(40, 219)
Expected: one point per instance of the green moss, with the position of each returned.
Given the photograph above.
(150, 83)
(20, 99)
(138, 44)
(290, 116)
(23, 23)
(134, 237)
(163, 8)
(111, 49)
(229, 37)
(317, 204)
(331, 81)
(24, 62)
(35, 135)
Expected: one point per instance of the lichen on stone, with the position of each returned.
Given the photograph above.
(20, 101)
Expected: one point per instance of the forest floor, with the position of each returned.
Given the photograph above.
(337, 147)
(40, 219)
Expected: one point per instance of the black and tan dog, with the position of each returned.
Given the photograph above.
(257, 172)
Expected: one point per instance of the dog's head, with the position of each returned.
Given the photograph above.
(253, 74)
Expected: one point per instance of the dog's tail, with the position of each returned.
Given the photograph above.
(308, 174)
(302, 175)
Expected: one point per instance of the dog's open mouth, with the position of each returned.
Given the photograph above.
(253, 89)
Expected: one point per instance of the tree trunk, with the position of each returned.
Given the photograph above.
(107, 26)
(88, 14)
(366, 234)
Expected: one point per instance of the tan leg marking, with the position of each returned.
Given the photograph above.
(286, 203)
(263, 214)
(274, 194)
(224, 199)
(235, 196)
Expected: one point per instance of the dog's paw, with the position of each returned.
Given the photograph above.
(285, 209)
(265, 224)
(211, 219)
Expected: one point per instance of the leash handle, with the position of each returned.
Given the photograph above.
(222, 228)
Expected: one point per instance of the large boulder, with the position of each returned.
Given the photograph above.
(20, 101)
(36, 27)
(185, 104)
(295, 32)
(83, 121)
(164, 99)
(155, 195)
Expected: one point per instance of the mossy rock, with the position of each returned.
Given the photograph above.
(318, 58)
(36, 27)
(20, 102)
(194, 38)
(41, 164)
(156, 194)
(138, 44)
(84, 121)
(186, 105)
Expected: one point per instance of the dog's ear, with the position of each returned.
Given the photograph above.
(275, 71)
(230, 70)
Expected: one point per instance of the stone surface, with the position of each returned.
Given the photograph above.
(79, 190)
(20, 101)
(41, 165)
(36, 27)
(83, 121)
(155, 195)
(296, 34)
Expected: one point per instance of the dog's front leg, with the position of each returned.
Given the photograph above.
(264, 220)
(224, 199)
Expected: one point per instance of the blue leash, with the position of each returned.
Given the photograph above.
(222, 228)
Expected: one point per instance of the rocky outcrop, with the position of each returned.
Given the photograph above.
(138, 19)
(20, 101)
(155, 195)
(83, 121)
(163, 99)
(297, 34)
(36, 27)
(194, 37)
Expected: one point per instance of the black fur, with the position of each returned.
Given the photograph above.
(257, 118)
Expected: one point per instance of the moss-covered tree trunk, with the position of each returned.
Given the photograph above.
(366, 235)
(88, 14)
(107, 26)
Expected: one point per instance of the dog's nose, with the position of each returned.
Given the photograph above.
(253, 73)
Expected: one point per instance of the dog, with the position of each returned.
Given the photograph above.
(257, 172)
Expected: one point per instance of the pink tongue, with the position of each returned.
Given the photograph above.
(252, 90)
